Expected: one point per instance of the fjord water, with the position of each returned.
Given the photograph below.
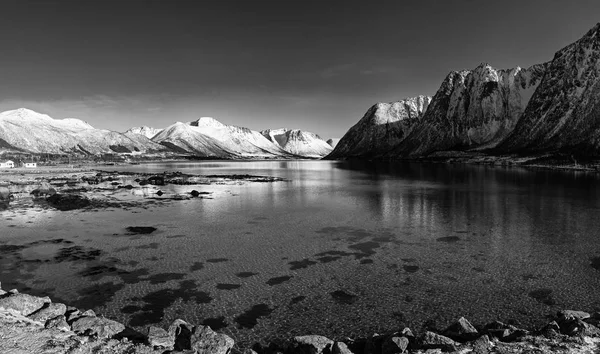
(339, 249)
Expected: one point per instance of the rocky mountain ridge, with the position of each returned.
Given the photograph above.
(298, 142)
(546, 108)
(382, 128)
(26, 130)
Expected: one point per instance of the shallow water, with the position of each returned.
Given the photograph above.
(341, 249)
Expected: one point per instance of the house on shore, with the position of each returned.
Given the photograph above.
(7, 164)
(30, 164)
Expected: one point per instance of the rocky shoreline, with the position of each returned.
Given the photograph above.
(96, 189)
(31, 324)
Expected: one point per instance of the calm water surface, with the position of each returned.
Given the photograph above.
(341, 249)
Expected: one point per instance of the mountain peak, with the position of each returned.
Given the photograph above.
(24, 113)
(207, 122)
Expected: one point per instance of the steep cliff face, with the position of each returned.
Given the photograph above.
(298, 142)
(564, 112)
(30, 131)
(381, 129)
(472, 110)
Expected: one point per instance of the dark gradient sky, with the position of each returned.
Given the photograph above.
(313, 65)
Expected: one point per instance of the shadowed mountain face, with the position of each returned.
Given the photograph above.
(564, 112)
(472, 110)
(30, 131)
(381, 129)
(545, 108)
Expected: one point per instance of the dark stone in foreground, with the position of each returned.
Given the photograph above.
(461, 330)
(65, 202)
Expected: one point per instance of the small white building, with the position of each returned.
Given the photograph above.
(29, 164)
(7, 164)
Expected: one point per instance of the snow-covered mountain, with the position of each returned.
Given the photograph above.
(564, 112)
(148, 132)
(473, 109)
(209, 137)
(381, 129)
(298, 142)
(34, 132)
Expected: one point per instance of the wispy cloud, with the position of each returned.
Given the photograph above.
(337, 70)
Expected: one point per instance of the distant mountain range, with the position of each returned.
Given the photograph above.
(25, 130)
(552, 107)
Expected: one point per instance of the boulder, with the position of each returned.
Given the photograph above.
(51, 310)
(503, 331)
(206, 341)
(195, 193)
(312, 344)
(432, 340)
(97, 326)
(23, 303)
(394, 345)
(482, 345)
(180, 332)
(340, 348)
(577, 326)
(58, 322)
(461, 330)
(567, 315)
(158, 337)
(65, 202)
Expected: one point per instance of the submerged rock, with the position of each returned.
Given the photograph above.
(65, 202)
(141, 229)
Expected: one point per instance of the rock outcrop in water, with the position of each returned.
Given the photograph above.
(31, 324)
(381, 129)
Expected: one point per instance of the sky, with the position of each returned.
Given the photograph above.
(310, 65)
